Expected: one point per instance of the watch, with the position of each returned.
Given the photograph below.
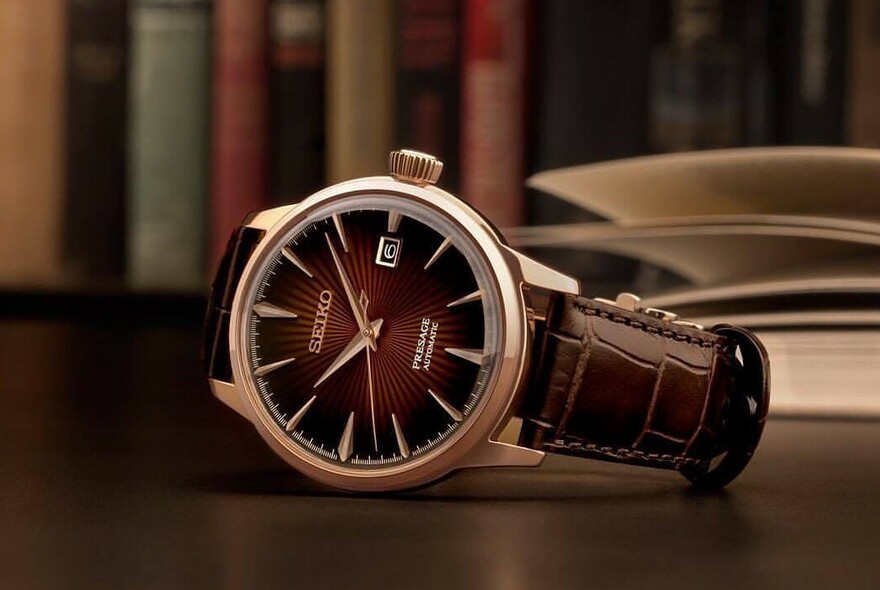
(381, 334)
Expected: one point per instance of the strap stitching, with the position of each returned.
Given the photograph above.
(670, 334)
(624, 453)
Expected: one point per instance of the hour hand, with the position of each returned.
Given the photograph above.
(358, 342)
(357, 306)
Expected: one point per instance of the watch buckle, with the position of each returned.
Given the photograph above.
(632, 302)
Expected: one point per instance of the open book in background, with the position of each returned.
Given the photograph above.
(785, 241)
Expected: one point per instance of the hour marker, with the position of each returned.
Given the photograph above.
(288, 253)
(453, 413)
(401, 441)
(337, 221)
(440, 250)
(393, 221)
(475, 296)
(272, 366)
(473, 355)
(264, 309)
(291, 424)
(346, 440)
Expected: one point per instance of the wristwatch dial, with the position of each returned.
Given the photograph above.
(373, 332)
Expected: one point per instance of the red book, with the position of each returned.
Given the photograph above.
(240, 154)
(494, 68)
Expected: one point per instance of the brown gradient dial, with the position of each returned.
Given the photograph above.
(372, 334)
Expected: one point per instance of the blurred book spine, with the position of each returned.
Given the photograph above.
(168, 133)
(811, 63)
(759, 101)
(696, 83)
(428, 80)
(493, 136)
(592, 81)
(360, 116)
(297, 55)
(864, 116)
(31, 140)
(94, 240)
(696, 97)
(591, 105)
(240, 110)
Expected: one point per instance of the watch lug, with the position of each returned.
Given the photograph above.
(228, 394)
(498, 454)
(542, 276)
(264, 220)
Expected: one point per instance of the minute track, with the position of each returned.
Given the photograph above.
(337, 410)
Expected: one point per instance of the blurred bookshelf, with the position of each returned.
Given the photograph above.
(134, 135)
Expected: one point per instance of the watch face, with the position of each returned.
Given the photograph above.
(373, 332)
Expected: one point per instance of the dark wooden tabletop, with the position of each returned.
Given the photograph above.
(118, 470)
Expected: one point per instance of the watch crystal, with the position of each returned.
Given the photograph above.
(373, 332)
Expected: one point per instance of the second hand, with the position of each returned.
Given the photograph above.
(372, 404)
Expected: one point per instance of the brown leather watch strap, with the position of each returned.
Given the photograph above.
(627, 386)
(215, 336)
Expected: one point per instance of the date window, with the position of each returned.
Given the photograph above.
(388, 252)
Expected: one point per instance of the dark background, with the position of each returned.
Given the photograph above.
(117, 467)
(119, 470)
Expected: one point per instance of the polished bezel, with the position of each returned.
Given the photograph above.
(514, 342)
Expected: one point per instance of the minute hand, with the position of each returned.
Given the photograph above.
(357, 309)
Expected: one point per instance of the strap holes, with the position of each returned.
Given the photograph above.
(715, 461)
(738, 354)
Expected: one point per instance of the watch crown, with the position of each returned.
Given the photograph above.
(415, 167)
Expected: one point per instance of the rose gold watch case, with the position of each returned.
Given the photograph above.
(475, 442)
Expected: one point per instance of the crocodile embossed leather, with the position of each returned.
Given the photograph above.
(626, 386)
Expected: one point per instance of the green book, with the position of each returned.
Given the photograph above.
(169, 144)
